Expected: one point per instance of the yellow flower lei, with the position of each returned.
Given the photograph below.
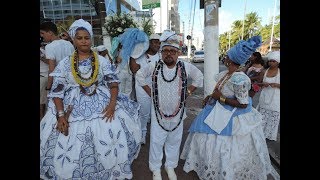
(95, 71)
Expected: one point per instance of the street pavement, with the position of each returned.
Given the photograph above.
(140, 166)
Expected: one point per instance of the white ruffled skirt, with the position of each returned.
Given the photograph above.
(94, 149)
(244, 155)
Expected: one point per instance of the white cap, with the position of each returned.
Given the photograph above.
(274, 55)
(169, 38)
(101, 48)
(154, 36)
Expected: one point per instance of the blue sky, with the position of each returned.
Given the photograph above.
(229, 11)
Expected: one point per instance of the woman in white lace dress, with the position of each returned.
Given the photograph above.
(269, 101)
(226, 140)
(89, 131)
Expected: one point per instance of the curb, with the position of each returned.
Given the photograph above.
(274, 159)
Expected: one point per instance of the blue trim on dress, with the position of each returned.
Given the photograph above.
(198, 124)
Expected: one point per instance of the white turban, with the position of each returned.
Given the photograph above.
(77, 24)
(154, 36)
(274, 55)
(169, 38)
(101, 48)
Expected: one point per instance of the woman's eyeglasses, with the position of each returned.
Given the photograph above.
(272, 61)
(172, 52)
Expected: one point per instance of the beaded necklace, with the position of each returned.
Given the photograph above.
(182, 82)
(174, 77)
(82, 81)
(222, 81)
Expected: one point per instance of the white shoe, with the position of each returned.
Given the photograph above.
(171, 174)
(157, 175)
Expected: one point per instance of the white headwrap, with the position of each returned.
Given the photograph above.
(154, 36)
(169, 38)
(80, 23)
(274, 55)
(101, 48)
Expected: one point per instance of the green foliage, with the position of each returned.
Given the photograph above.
(252, 27)
(147, 26)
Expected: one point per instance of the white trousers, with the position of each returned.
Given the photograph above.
(171, 142)
(144, 112)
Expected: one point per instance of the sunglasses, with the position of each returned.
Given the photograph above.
(172, 52)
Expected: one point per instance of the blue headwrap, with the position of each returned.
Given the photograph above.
(241, 52)
(129, 39)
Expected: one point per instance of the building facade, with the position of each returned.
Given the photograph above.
(66, 11)
(166, 16)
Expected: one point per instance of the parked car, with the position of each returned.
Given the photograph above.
(198, 56)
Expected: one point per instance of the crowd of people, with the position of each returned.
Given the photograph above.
(95, 105)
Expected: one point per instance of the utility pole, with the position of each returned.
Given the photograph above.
(191, 31)
(211, 44)
(274, 14)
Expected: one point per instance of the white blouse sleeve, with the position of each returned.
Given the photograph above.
(59, 84)
(144, 72)
(109, 71)
(241, 85)
(195, 74)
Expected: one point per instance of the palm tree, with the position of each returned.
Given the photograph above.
(252, 23)
(237, 30)
(223, 43)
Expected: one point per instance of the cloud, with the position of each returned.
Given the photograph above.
(225, 21)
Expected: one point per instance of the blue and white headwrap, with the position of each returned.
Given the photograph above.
(241, 52)
(169, 38)
(134, 43)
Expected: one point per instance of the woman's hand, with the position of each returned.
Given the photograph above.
(274, 85)
(63, 125)
(134, 66)
(109, 111)
(205, 101)
(216, 94)
(263, 85)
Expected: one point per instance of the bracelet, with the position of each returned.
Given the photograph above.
(60, 113)
(48, 89)
(223, 99)
(189, 92)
